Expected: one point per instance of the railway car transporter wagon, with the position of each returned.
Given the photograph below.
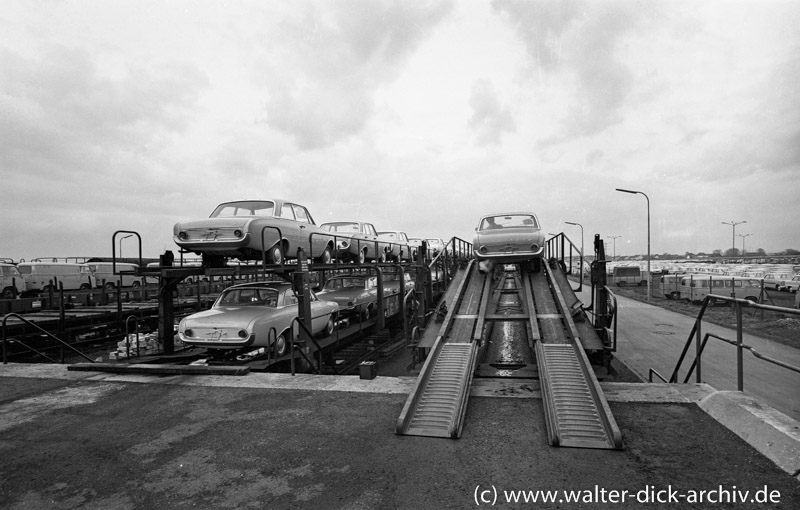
(508, 238)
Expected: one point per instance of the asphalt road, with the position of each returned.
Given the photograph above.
(652, 337)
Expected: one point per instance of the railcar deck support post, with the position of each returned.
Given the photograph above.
(302, 288)
(166, 289)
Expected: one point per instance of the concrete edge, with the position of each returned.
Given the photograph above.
(774, 434)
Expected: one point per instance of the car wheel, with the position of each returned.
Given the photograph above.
(330, 326)
(137, 283)
(643, 283)
(8, 293)
(110, 285)
(281, 345)
(85, 286)
(326, 256)
(382, 258)
(365, 314)
(675, 295)
(621, 284)
(275, 255)
(362, 256)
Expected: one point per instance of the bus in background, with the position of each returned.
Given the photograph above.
(104, 274)
(628, 275)
(39, 276)
(11, 282)
(695, 288)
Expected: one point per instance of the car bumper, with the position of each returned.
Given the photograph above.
(510, 255)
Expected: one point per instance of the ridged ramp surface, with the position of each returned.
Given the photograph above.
(575, 412)
(438, 411)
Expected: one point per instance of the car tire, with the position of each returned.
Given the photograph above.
(382, 258)
(8, 293)
(362, 256)
(275, 255)
(281, 345)
(85, 286)
(326, 257)
(364, 314)
(330, 326)
(110, 286)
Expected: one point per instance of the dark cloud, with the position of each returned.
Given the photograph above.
(340, 57)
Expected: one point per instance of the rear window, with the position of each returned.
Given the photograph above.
(248, 208)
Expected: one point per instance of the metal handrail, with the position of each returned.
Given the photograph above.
(47, 333)
(696, 333)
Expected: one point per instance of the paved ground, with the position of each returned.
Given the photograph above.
(652, 337)
(86, 440)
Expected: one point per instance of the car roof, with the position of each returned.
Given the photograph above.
(269, 283)
(509, 213)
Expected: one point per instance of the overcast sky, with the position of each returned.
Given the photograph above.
(411, 115)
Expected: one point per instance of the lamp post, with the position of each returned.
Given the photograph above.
(743, 236)
(614, 239)
(580, 285)
(648, 235)
(733, 224)
(120, 244)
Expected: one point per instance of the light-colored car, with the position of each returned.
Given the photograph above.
(357, 295)
(244, 316)
(508, 238)
(246, 229)
(791, 285)
(435, 246)
(104, 274)
(358, 241)
(775, 280)
(400, 246)
(42, 276)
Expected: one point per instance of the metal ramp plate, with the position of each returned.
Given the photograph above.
(437, 407)
(576, 412)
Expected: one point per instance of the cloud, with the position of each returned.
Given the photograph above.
(489, 119)
(319, 85)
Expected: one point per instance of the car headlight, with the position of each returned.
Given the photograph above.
(483, 249)
(534, 247)
(243, 333)
(237, 233)
(188, 333)
(182, 235)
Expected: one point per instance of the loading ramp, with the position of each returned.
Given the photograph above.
(576, 411)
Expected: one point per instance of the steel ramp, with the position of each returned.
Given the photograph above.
(576, 411)
(436, 406)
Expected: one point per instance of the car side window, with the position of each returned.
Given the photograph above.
(287, 212)
(300, 213)
(369, 229)
(289, 297)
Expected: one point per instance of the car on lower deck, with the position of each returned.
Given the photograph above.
(357, 295)
(255, 315)
(246, 229)
(508, 238)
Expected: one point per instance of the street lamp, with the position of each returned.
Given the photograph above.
(743, 236)
(648, 235)
(614, 238)
(580, 285)
(733, 224)
(120, 244)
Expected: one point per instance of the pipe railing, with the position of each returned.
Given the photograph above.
(701, 341)
(45, 332)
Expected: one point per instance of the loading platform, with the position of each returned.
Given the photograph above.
(546, 319)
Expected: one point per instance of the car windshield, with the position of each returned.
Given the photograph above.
(349, 228)
(250, 208)
(249, 297)
(509, 220)
(344, 283)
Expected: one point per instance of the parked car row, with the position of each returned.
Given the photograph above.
(29, 278)
(274, 230)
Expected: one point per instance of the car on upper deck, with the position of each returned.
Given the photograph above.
(248, 228)
(358, 241)
(507, 238)
(400, 246)
(255, 315)
(435, 246)
(791, 284)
